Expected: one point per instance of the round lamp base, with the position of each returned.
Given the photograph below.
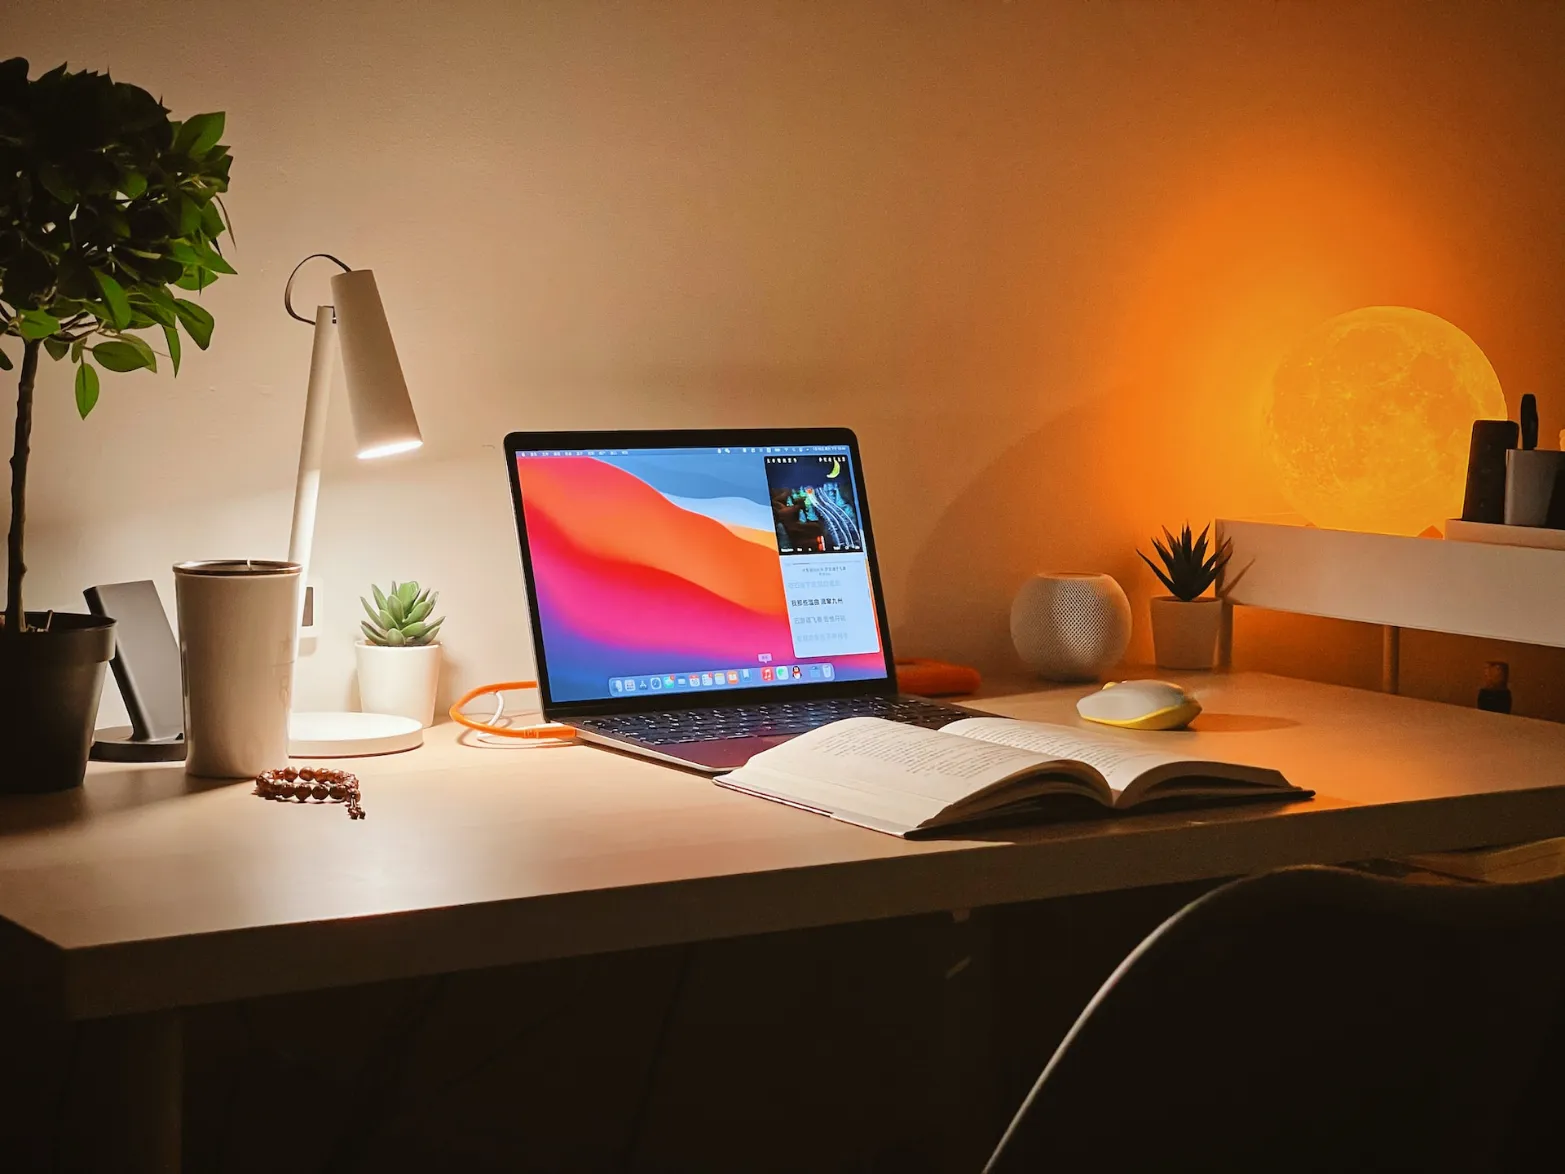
(350, 735)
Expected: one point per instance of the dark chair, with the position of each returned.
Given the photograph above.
(1318, 1019)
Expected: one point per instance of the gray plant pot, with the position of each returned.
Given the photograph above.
(50, 682)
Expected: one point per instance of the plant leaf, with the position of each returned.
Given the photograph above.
(35, 324)
(114, 295)
(395, 606)
(420, 611)
(127, 353)
(395, 638)
(1156, 570)
(212, 221)
(196, 321)
(199, 134)
(156, 302)
(133, 184)
(86, 389)
(58, 348)
(171, 336)
(1165, 553)
(408, 593)
(194, 278)
(54, 182)
(228, 221)
(189, 216)
(209, 259)
(368, 610)
(432, 630)
(374, 635)
(5, 361)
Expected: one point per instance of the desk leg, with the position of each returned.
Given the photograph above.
(967, 1073)
(124, 1110)
(1390, 659)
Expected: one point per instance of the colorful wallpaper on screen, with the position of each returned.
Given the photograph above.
(650, 563)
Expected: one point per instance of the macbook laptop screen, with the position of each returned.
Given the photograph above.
(696, 570)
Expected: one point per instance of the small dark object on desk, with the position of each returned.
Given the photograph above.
(1529, 415)
(1495, 693)
(1485, 497)
(320, 783)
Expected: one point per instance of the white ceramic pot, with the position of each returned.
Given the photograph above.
(1070, 627)
(402, 681)
(1184, 633)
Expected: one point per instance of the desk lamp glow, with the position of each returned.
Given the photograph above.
(383, 424)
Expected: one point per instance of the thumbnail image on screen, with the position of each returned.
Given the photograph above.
(813, 504)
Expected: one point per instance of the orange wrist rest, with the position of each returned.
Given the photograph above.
(935, 678)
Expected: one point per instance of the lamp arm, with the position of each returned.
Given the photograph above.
(307, 486)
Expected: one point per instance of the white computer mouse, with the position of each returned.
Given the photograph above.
(1140, 705)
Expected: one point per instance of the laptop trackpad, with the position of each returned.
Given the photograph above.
(725, 753)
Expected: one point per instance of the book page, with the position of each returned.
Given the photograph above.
(1118, 762)
(1134, 765)
(885, 774)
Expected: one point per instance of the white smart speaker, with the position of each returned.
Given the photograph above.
(1071, 627)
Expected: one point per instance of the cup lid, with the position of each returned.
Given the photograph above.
(237, 567)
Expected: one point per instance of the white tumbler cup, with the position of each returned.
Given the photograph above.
(237, 622)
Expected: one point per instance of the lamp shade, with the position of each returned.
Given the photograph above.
(383, 419)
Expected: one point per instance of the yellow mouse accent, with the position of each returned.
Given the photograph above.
(1173, 718)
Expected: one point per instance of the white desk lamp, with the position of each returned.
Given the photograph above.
(383, 423)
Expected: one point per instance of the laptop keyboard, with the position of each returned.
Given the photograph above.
(767, 719)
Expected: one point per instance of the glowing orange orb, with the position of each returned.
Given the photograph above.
(1368, 419)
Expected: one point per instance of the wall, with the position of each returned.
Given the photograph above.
(1042, 257)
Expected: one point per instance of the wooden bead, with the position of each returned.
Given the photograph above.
(320, 783)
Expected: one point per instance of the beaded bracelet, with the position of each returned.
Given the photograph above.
(320, 783)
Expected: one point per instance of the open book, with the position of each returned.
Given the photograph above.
(910, 781)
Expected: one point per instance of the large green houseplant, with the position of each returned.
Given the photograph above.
(109, 211)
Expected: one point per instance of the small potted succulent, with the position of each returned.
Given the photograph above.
(1185, 622)
(399, 657)
(108, 207)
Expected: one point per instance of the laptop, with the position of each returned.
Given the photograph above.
(699, 596)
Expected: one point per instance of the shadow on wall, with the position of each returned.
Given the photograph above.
(1043, 505)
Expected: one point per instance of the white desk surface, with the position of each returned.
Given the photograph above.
(144, 890)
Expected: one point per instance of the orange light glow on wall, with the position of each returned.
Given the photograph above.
(1368, 419)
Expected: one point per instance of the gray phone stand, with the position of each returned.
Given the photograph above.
(146, 668)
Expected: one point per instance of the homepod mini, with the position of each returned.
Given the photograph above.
(1070, 627)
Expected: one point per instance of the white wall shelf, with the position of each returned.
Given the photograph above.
(1514, 593)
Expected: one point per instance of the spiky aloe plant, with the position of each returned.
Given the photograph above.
(399, 618)
(1188, 567)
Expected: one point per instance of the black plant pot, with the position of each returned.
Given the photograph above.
(50, 682)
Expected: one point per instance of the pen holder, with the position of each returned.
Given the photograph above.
(1534, 494)
(237, 622)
